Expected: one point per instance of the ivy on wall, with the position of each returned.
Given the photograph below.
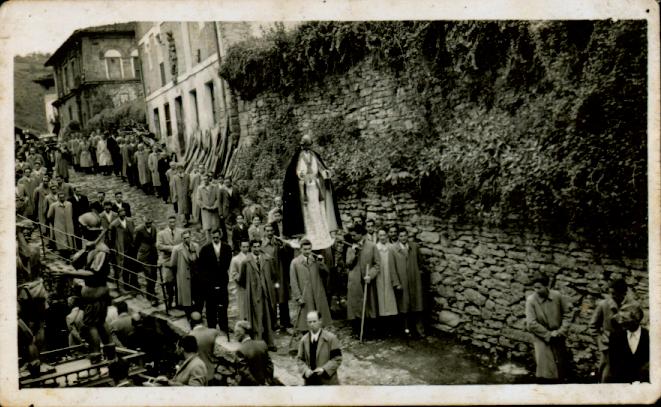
(538, 122)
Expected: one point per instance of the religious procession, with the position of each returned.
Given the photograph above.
(255, 251)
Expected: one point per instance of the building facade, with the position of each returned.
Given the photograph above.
(184, 92)
(94, 69)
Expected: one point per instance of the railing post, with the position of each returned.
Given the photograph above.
(41, 237)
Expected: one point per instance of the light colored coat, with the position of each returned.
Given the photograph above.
(386, 280)
(152, 165)
(542, 317)
(208, 197)
(166, 240)
(193, 372)
(182, 262)
(144, 176)
(234, 272)
(306, 285)
(62, 215)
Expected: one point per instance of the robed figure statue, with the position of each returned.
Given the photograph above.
(309, 207)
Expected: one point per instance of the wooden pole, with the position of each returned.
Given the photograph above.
(362, 319)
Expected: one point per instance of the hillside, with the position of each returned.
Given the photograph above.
(29, 96)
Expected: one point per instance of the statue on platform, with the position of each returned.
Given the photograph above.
(309, 207)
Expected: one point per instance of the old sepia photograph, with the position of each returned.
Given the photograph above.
(278, 203)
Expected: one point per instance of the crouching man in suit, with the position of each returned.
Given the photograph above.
(319, 354)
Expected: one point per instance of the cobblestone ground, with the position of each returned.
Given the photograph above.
(433, 360)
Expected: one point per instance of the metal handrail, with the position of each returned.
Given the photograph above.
(117, 281)
(80, 238)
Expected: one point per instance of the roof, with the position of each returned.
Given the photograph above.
(119, 28)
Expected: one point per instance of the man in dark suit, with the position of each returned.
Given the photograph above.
(97, 205)
(319, 354)
(629, 348)
(256, 276)
(119, 204)
(113, 147)
(256, 364)
(239, 233)
(79, 206)
(211, 279)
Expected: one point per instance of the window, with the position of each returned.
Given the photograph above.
(211, 97)
(162, 66)
(168, 121)
(113, 62)
(180, 118)
(193, 100)
(135, 64)
(157, 122)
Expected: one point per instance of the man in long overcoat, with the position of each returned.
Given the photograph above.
(166, 240)
(319, 354)
(410, 300)
(275, 249)
(147, 255)
(256, 277)
(62, 215)
(122, 230)
(182, 193)
(548, 319)
(144, 175)
(183, 261)
(363, 261)
(152, 164)
(307, 288)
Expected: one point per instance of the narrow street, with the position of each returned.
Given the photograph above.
(393, 361)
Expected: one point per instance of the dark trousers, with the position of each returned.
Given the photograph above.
(150, 285)
(216, 306)
(283, 310)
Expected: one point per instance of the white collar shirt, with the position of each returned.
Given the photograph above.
(634, 339)
(315, 337)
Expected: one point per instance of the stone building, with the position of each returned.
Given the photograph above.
(94, 69)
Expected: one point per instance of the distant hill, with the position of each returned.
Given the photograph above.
(29, 96)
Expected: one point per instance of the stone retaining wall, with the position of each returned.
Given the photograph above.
(478, 278)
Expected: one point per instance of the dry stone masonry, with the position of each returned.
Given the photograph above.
(479, 277)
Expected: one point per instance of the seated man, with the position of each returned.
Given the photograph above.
(192, 371)
(256, 365)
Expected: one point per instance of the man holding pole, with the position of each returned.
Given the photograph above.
(364, 263)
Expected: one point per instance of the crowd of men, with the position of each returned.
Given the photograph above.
(374, 270)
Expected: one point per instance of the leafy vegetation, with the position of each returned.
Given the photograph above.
(29, 111)
(542, 123)
(127, 116)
